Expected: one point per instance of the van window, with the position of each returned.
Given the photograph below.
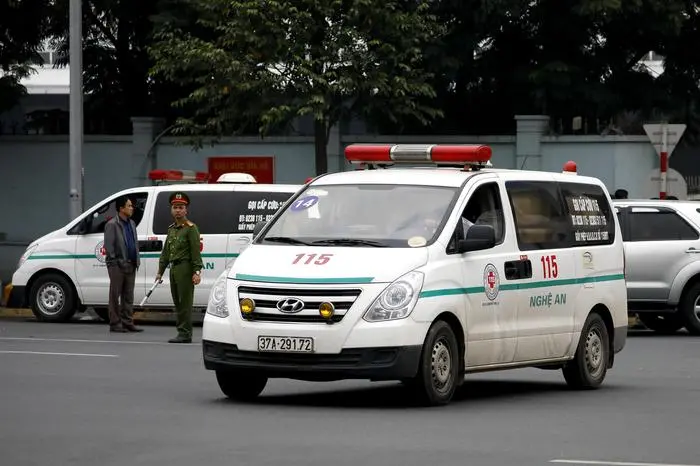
(96, 220)
(590, 214)
(541, 221)
(251, 207)
(221, 212)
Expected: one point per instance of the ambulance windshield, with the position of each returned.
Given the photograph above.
(363, 216)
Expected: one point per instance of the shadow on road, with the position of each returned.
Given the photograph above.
(396, 396)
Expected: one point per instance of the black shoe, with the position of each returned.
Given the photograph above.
(133, 328)
(118, 330)
(180, 339)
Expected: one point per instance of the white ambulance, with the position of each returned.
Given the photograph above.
(64, 271)
(423, 275)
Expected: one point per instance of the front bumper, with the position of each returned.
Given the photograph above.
(380, 363)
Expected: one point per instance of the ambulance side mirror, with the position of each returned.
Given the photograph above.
(478, 237)
(258, 228)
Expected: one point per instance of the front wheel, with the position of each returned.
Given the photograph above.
(52, 298)
(240, 386)
(590, 364)
(438, 372)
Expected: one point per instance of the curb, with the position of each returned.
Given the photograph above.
(140, 316)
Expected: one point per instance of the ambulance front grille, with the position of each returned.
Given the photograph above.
(267, 299)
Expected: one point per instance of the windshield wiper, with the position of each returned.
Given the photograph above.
(351, 242)
(285, 239)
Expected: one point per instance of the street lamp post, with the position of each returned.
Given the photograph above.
(76, 108)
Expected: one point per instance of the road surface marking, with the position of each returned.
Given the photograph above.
(134, 342)
(61, 354)
(617, 463)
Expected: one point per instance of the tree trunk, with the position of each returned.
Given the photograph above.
(321, 146)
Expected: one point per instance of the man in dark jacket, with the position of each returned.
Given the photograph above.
(122, 258)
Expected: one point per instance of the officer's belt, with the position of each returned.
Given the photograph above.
(179, 261)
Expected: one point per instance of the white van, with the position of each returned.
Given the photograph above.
(369, 274)
(64, 271)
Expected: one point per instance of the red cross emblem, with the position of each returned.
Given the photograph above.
(491, 279)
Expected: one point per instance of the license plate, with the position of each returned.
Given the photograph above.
(286, 344)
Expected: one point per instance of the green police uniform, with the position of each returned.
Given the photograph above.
(182, 252)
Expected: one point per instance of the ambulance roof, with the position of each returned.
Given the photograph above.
(448, 177)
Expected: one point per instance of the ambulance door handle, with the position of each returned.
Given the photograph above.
(518, 270)
(692, 251)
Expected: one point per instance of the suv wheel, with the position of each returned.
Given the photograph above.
(690, 309)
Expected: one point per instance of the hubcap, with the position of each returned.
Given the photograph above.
(594, 352)
(50, 299)
(441, 364)
(697, 308)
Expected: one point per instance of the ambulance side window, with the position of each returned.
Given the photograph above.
(251, 207)
(94, 223)
(541, 220)
(591, 216)
(209, 210)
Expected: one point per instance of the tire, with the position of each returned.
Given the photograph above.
(690, 309)
(52, 298)
(438, 371)
(590, 364)
(665, 324)
(240, 386)
(102, 313)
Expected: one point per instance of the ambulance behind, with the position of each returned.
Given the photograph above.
(64, 272)
(424, 274)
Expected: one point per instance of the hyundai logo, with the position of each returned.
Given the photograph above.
(290, 305)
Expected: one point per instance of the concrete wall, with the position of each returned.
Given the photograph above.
(34, 178)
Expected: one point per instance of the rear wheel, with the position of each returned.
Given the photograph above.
(666, 324)
(590, 364)
(240, 386)
(438, 372)
(52, 298)
(690, 309)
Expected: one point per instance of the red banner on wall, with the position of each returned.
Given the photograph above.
(262, 168)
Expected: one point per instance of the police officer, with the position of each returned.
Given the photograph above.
(182, 252)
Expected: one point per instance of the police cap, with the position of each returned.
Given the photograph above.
(179, 197)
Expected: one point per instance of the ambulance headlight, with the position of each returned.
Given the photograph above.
(26, 255)
(397, 300)
(217, 297)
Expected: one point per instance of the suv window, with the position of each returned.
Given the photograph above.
(221, 212)
(541, 220)
(96, 220)
(652, 224)
(590, 214)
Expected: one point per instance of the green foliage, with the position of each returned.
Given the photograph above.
(22, 29)
(268, 61)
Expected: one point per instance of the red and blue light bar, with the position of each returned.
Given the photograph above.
(417, 153)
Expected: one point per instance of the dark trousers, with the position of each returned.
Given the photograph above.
(121, 288)
(182, 290)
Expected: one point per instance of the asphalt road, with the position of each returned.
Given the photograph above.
(75, 395)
